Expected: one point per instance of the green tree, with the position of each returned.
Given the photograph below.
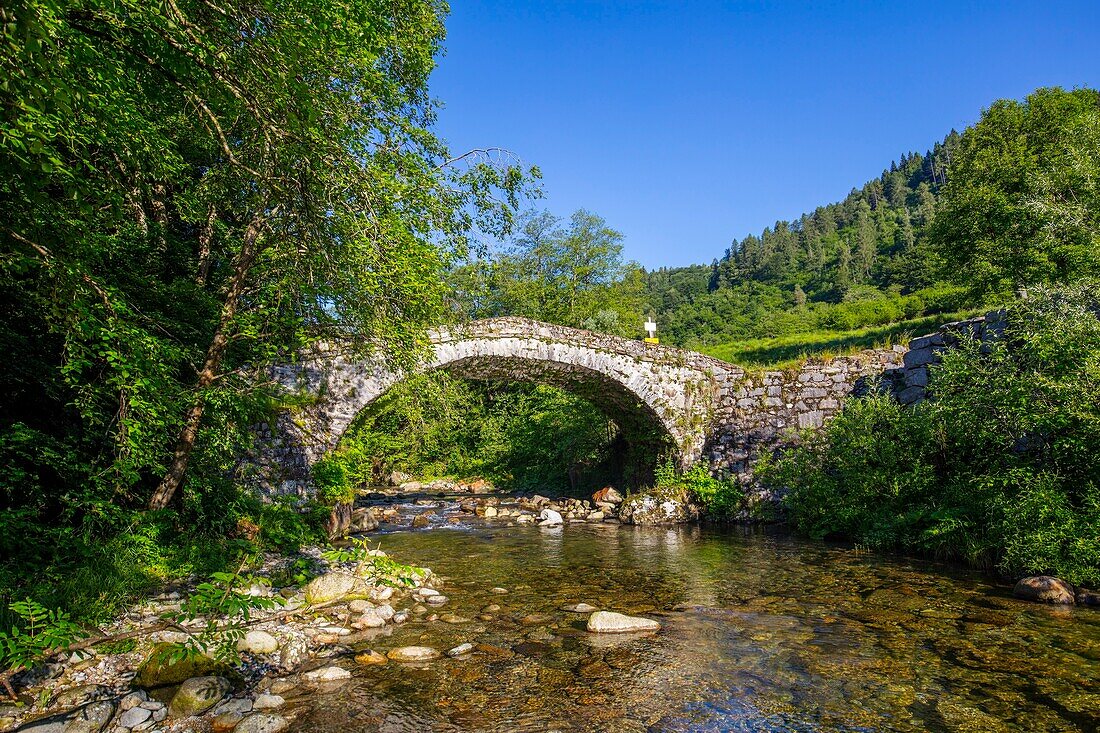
(190, 188)
(569, 275)
(866, 242)
(1020, 205)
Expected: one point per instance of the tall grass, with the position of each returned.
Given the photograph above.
(790, 350)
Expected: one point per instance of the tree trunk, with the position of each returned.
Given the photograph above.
(206, 236)
(211, 367)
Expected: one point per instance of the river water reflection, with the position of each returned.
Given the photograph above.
(760, 633)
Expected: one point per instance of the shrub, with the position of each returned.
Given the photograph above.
(330, 477)
(720, 498)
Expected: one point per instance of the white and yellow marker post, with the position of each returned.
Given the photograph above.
(651, 329)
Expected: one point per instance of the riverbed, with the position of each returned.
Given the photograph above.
(760, 632)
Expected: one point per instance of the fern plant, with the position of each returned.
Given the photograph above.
(223, 606)
(43, 633)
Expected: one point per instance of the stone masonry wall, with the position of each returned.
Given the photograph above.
(910, 383)
(762, 411)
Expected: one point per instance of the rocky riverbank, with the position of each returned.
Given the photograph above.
(309, 642)
(308, 637)
(419, 505)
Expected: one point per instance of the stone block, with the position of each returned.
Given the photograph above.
(812, 419)
(917, 377)
(909, 395)
(919, 357)
(924, 342)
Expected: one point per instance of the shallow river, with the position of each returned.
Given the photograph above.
(760, 633)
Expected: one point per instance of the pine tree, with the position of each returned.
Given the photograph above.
(866, 242)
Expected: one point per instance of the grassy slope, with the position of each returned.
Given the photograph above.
(785, 351)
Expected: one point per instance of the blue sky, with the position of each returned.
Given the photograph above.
(687, 124)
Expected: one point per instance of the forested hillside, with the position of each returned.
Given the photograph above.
(862, 261)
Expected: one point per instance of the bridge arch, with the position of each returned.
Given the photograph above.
(644, 388)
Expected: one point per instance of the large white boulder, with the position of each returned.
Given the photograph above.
(609, 622)
(549, 518)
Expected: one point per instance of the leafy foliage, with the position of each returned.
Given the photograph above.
(331, 481)
(572, 276)
(520, 436)
(1022, 203)
(1001, 468)
(223, 605)
(39, 633)
(188, 192)
(373, 565)
(720, 498)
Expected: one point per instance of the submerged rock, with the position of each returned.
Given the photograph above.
(414, 654)
(370, 658)
(262, 723)
(1044, 589)
(461, 649)
(579, 608)
(609, 622)
(327, 674)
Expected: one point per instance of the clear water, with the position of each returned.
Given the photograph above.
(761, 632)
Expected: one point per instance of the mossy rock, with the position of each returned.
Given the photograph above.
(158, 669)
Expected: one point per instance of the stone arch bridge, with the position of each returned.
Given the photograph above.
(699, 407)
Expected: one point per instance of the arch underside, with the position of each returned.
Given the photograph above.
(638, 421)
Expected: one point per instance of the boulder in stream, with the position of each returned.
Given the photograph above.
(609, 622)
(607, 495)
(549, 518)
(661, 506)
(1044, 589)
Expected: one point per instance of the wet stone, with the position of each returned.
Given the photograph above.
(413, 654)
